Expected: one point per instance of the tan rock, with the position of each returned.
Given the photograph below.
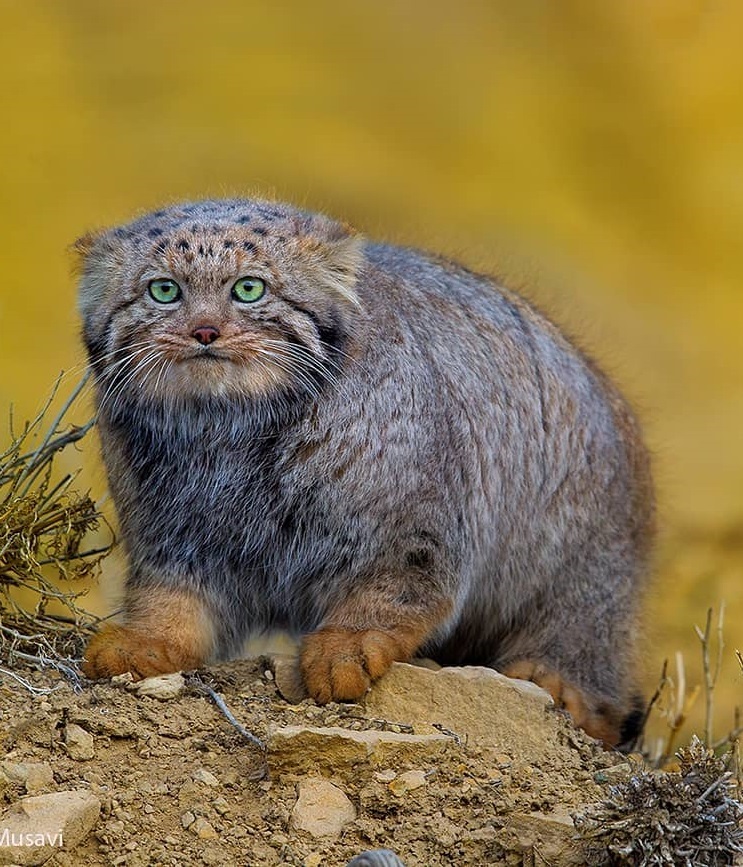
(38, 826)
(34, 776)
(476, 703)
(288, 678)
(408, 782)
(551, 835)
(79, 743)
(164, 687)
(201, 775)
(322, 809)
(203, 829)
(306, 750)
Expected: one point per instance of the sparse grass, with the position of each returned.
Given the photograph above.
(44, 553)
(672, 700)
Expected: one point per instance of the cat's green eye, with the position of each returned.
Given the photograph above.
(248, 289)
(163, 290)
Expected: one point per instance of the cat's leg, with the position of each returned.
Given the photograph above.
(385, 622)
(163, 630)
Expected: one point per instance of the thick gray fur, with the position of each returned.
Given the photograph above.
(450, 441)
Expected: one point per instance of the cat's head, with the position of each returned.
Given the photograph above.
(218, 299)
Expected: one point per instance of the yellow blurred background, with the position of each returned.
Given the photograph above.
(591, 154)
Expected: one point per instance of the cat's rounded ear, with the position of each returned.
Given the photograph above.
(83, 248)
(334, 252)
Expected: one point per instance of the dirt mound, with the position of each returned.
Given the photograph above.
(458, 766)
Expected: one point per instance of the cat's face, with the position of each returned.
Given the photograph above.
(232, 298)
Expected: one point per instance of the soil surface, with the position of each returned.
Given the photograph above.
(179, 784)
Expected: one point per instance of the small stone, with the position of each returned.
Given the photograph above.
(79, 743)
(288, 678)
(306, 749)
(57, 821)
(221, 806)
(164, 687)
(322, 809)
(386, 776)
(203, 829)
(407, 782)
(201, 775)
(268, 674)
(314, 859)
(34, 776)
(187, 819)
(552, 834)
(123, 679)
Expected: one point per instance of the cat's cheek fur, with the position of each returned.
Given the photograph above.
(163, 631)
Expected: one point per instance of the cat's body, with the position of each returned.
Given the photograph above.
(436, 469)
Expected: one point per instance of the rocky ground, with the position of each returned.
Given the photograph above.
(449, 767)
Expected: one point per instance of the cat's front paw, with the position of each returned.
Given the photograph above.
(597, 718)
(118, 649)
(340, 665)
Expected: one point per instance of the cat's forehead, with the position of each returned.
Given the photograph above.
(211, 218)
(211, 236)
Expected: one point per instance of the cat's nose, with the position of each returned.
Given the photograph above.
(205, 334)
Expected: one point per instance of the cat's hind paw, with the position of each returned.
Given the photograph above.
(598, 718)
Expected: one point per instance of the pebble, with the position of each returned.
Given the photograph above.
(201, 775)
(164, 687)
(79, 743)
(322, 809)
(407, 782)
(203, 829)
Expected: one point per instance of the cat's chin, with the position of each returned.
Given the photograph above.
(209, 376)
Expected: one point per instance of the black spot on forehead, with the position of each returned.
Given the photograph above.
(260, 230)
(249, 246)
(155, 233)
(244, 218)
(162, 246)
(227, 244)
(183, 245)
(159, 214)
(194, 228)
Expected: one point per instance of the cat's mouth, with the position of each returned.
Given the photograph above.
(206, 355)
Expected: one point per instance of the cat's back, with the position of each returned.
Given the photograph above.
(467, 327)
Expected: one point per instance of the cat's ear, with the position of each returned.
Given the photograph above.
(343, 261)
(83, 249)
(335, 254)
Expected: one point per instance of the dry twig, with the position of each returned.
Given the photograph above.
(44, 527)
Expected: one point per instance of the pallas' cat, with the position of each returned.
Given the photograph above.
(370, 446)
